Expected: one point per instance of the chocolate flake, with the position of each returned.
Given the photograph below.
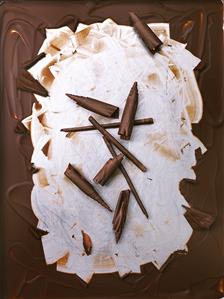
(108, 170)
(28, 64)
(128, 116)
(198, 220)
(45, 149)
(81, 182)
(87, 243)
(127, 178)
(96, 106)
(20, 128)
(150, 39)
(120, 213)
(26, 82)
(137, 122)
(33, 169)
(110, 138)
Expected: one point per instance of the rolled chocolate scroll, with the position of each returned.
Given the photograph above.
(108, 170)
(150, 39)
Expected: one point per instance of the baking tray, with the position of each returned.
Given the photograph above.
(23, 271)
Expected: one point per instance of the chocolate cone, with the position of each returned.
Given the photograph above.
(26, 82)
(150, 39)
(96, 106)
(107, 170)
(197, 219)
(84, 185)
(128, 116)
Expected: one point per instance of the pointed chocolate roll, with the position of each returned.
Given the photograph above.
(128, 116)
(120, 213)
(197, 219)
(150, 39)
(96, 106)
(84, 185)
(26, 82)
(28, 64)
(108, 169)
(114, 141)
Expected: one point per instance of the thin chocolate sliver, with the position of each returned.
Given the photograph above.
(26, 82)
(128, 116)
(120, 213)
(127, 178)
(197, 219)
(150, 39)
(85, 186)
(137, 122)
(28, 64)
(108, 170)
(96, 106)
(87, 243)
(109, 137)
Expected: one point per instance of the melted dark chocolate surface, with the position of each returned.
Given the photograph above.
(195, 274)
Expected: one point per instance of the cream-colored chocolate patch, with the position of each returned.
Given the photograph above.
(159, 144)
(46, 76)
(139, 230)
(42, 178)
(153, 79)
(82, 35)
(63, 261)
(175, 70)
(191, 112)
(101, 261)
(99, 46)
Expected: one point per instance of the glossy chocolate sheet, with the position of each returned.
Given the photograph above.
(24, 273)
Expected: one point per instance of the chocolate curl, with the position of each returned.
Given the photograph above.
(150, 39)
(127, 178)
(108, 170)
(198, 220)
(87, 243)
(96, 106)
(120, 213)
(84, 185)
(28, 64)
(26, 82)
(128, 116)
(137, 122)
(110, 138)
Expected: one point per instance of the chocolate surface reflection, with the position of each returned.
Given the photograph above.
(195, 274)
